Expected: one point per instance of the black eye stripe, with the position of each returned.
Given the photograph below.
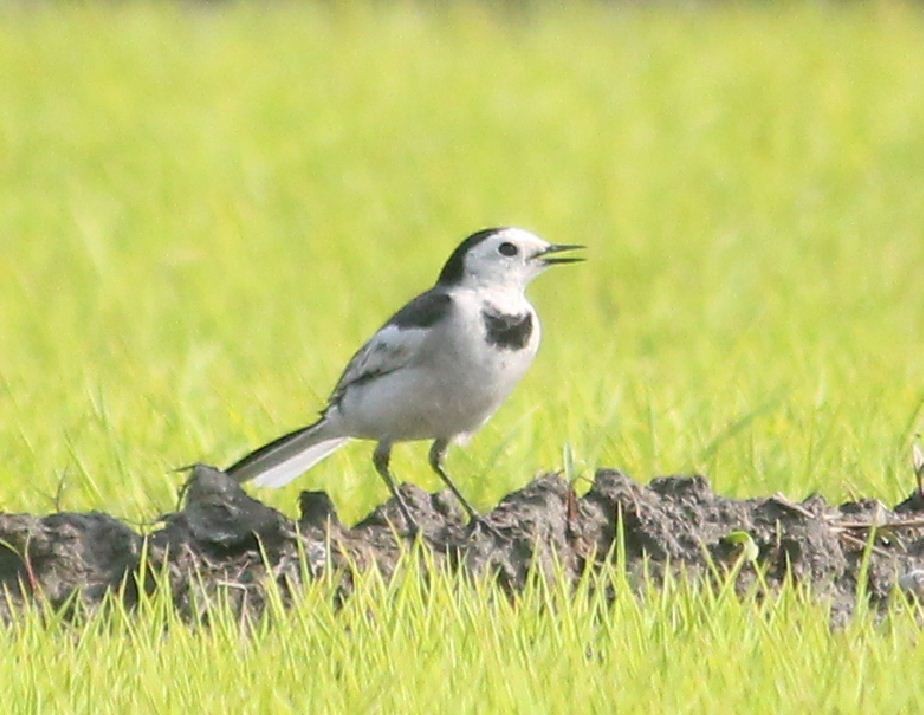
(507, 249)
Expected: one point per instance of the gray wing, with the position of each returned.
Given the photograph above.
(396, 345)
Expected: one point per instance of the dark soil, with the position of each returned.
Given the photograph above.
(225, 546)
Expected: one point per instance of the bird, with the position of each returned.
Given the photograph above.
(436, 370)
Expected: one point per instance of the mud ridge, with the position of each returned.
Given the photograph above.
(226, 546)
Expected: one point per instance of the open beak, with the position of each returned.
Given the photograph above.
(559, 248)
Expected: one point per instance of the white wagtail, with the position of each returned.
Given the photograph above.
(437, 369)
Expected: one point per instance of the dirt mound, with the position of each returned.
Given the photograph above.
(225, 545)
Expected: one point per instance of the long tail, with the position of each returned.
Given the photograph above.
(287, 457)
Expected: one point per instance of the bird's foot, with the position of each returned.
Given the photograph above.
(479, 524)
(411, 528)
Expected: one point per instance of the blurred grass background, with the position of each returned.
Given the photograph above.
(204, 210)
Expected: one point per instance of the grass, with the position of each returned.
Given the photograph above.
(204, 211)
(407, 648)
(404, 648)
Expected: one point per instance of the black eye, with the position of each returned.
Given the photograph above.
(507, 248)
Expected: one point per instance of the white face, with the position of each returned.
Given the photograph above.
(512, 256)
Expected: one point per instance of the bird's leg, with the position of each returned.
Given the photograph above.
(437, 455)
(380, 459)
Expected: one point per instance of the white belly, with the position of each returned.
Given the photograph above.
(456, 386)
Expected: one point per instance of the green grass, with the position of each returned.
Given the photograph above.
(404, 648)
(204, 211)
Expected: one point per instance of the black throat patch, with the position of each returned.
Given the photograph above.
(506, 331)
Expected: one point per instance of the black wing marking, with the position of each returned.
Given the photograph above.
(395, 344)
(423, 311)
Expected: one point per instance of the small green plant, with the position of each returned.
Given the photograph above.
(749, 549)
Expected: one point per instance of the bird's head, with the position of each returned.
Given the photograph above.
(500, 257)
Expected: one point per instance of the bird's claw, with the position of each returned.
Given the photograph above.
(413, 530)
(480, 524)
